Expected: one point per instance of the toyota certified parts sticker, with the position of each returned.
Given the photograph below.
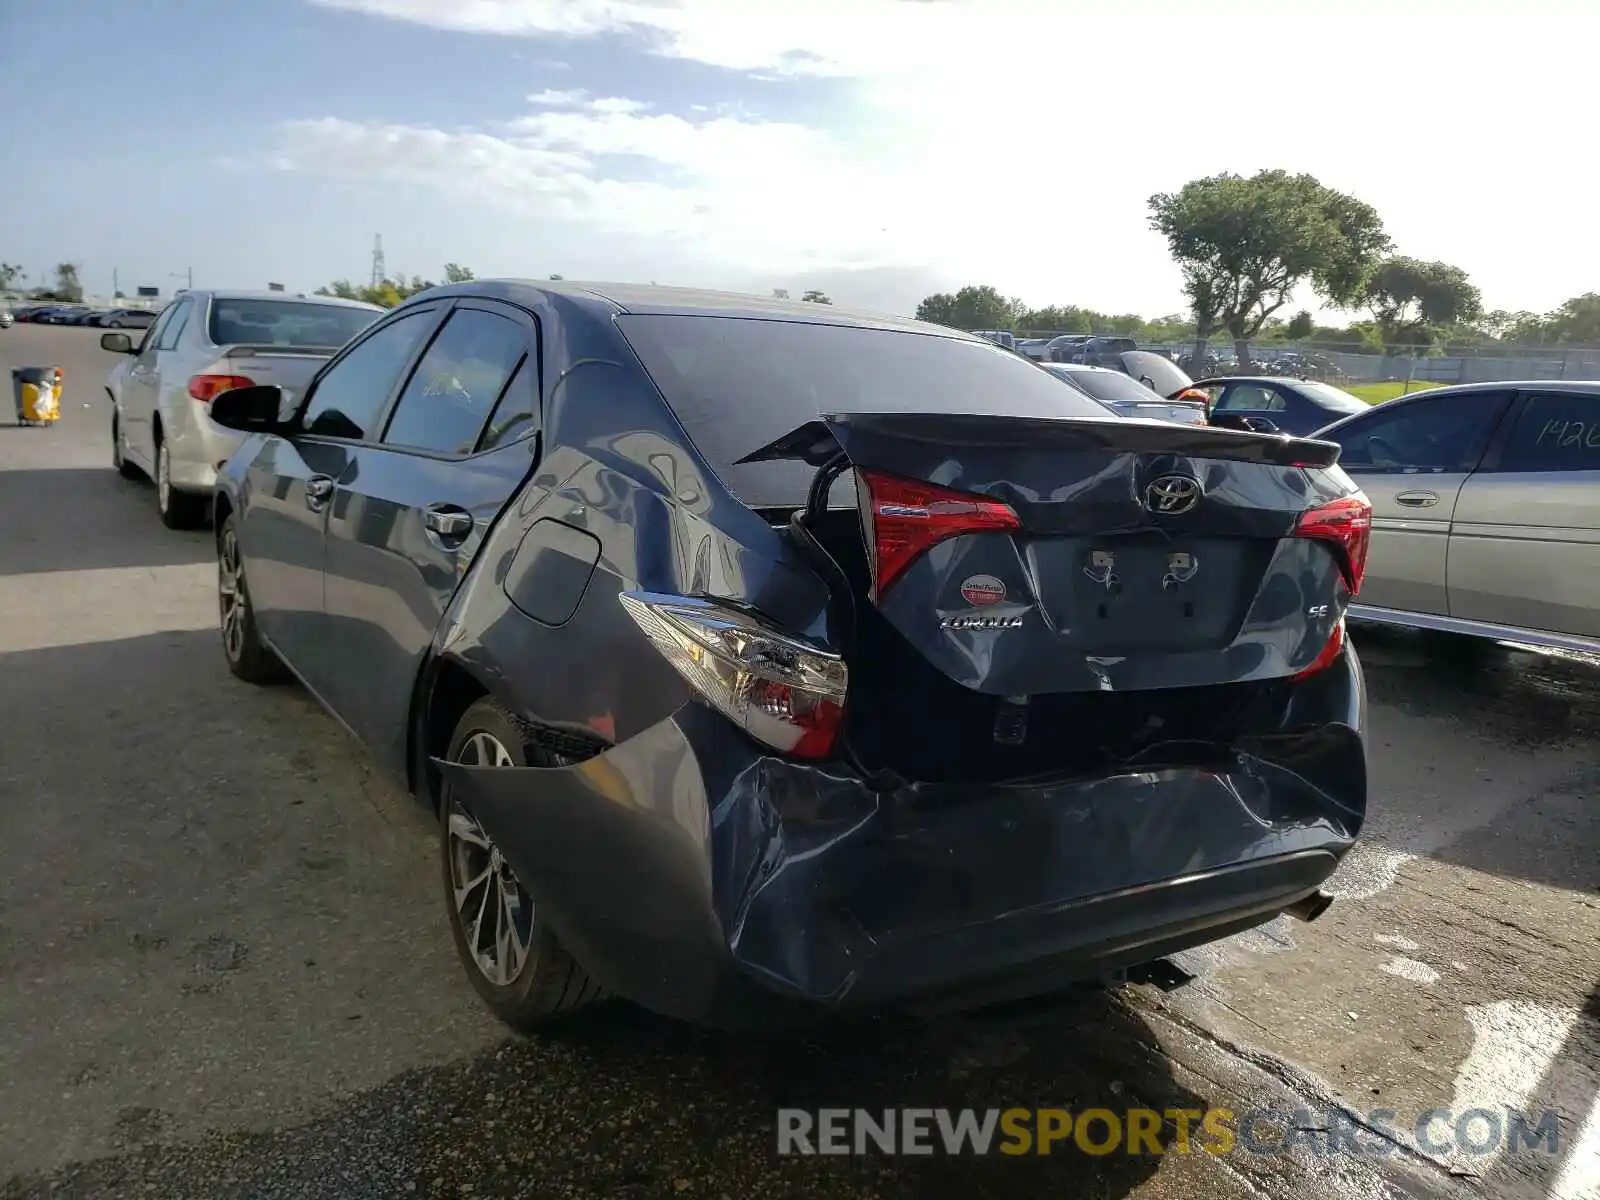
(981, 591)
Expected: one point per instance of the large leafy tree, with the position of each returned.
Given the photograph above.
(973, 307)
(1577, 322)
(1245, 245)
(68, 286)
(813, 296)
(1414, 301)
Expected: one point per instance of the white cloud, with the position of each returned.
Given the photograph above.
(559, 98)
(580, 98)
(984, 139)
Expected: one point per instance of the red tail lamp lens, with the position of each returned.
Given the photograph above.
(904, 518)
(1345, 523)
(206, 388)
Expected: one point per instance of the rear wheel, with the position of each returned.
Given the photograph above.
(179, 510)
(513, 958)
(248, 656)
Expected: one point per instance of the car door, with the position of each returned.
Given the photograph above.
(140, 390)
(1411, 458)
(1525, 542)
(409, 513)
(289, 486)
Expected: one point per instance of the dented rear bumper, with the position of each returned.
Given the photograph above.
(708, 880)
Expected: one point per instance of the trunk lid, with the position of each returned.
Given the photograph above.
(287, 367)
(1028, 556)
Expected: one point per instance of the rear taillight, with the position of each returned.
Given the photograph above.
(206, 388)
(1346, 523)
(903, 518)
(778, 688)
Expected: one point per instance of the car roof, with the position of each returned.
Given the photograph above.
(1084, 368)
(261, 294)
(1579, 387)
(642, 299)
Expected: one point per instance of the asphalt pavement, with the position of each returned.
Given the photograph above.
(225, 968)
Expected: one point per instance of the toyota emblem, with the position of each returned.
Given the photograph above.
(1172, 494)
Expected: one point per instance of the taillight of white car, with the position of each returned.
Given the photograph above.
(780, 689)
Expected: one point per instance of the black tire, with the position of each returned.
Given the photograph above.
(113, 325)
(124, 468)
(248, 656)
(549, 982)
(178, 510)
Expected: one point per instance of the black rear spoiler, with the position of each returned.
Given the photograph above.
(886, 440)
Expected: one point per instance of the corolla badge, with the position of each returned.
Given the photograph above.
(1172, 494)
(981, 591)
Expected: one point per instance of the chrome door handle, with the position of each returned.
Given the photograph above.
(318, 489)
(1417, 499)
(448, 522)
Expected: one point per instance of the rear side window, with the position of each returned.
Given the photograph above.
(1555, 433)
(1111, 386)
(175, 327)
(253, 322)
(737, 384)
(457, 383)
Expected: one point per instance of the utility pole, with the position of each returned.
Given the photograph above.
(379, 274)
(116, 289)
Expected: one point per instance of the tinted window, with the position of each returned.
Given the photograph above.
(1443, 433)
(286, 322)
(455, 386)
(175, 327)
(737, 384)
(156, 330)
(1333, 399)
(517, 414)
(349, 398)
(1555, 433)
(1251, 397)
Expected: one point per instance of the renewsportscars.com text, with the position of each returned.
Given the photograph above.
(1019, 1131)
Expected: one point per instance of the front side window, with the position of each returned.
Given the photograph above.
(1251, 397)
(1443, 433)
(458, 382)
(348, 400)
(1556, 432)
(152, 335)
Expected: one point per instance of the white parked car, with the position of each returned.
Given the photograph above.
(202, 344)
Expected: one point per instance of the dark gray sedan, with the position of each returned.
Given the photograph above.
(761, 657)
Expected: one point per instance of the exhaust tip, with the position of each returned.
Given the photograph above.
(1309, 908)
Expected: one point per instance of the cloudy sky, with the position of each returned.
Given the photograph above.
(879, 149)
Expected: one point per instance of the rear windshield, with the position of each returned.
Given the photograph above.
(737, 384)
(286, 323)
(1111, 386)
(1334, 399)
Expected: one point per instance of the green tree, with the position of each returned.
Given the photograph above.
(1245, 245)
(11, 274)
(67, 285)
(813, 296)
(1414, 302)
(1577, 322)
(976, 306)
(1299, 327)
(456, 273)
(1057, 318)
(390, 292)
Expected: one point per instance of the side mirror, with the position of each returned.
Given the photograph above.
(117, 343)
(254, 409)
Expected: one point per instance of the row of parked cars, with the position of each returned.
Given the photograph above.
(759, 657)
(78, 314)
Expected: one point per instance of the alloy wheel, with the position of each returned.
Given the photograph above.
(495, 912)
(231, 597)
